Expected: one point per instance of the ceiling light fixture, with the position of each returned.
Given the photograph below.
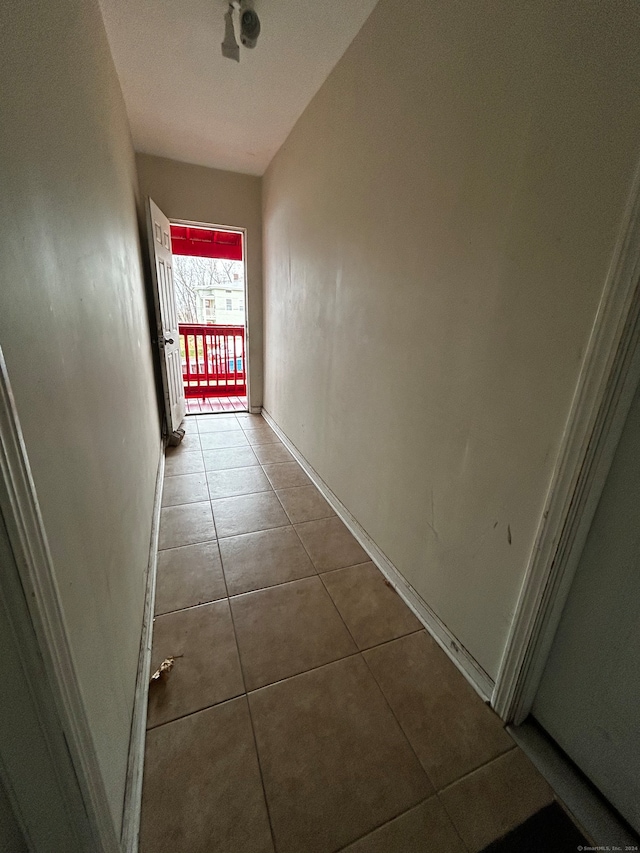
(230, 47)
(249, 24)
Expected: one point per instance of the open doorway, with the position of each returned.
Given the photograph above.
(209, 274)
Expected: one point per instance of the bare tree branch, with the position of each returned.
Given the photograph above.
(193, 274)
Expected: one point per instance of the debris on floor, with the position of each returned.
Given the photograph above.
(164, 669)
(175, 437)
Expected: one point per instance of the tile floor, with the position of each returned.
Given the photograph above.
(307, 710)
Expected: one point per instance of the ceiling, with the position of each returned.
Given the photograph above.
(186, 102)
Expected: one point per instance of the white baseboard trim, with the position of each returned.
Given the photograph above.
(481, 682)
(133, 790)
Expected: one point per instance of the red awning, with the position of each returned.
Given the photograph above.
(206, 243)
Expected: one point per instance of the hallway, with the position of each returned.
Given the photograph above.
(307, 711)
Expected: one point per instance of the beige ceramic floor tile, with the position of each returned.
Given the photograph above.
(335, 764)
(288, 629)
(206, 669)
(184, 462)
(256, 426)
(495, 798)
(424, 829)
(221, 439)
(231, 457)
(259, 437)
(248, 420)
(248, 513)
(371, 608)
(202, 791)
(188, 576)
(283, 475)
(216, 423)
(330, 545)
(304, 503)
(237, 481)
(266, 558)
(186, 525)
(268, 453)
(191, 441)
(184, 489)
(448, 725)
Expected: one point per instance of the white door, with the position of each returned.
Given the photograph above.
(589, 696)
(166, 315)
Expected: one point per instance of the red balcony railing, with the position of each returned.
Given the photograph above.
(213, 360)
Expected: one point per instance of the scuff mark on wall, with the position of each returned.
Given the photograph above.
(432, 523)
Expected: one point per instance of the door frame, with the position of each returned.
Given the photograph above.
(30, 597)
(236, 230)
(609, 376)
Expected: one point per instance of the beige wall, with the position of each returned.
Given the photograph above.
(200, 194)
(438, 228)
(11, 837)
(74, 330)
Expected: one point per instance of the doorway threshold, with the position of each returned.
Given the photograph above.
(216, 405)
(588, 806)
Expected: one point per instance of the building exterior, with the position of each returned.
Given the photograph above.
(223, 305)
(209, 290)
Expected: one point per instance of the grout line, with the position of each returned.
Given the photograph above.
(260, 771)
(183, 474)
(246, 696)
(355, 566)
(241, 494)
(464, 776)
(192, 606)
(397, 817)
(273, 585)
(435, 790)
(247, 532)
(196, 711)
(187, 474)
(225, 447)
(235, 468)
(204, 432)
(387, 642)
(187, 503)
(305, 547)
(453, 823)
(290, 519)
(329, 663)
(304, 672)
(171, 450)
(210, 418)
(186, 544)
(343, 620)
(382, 693)
(480, 767)
(395, 717)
